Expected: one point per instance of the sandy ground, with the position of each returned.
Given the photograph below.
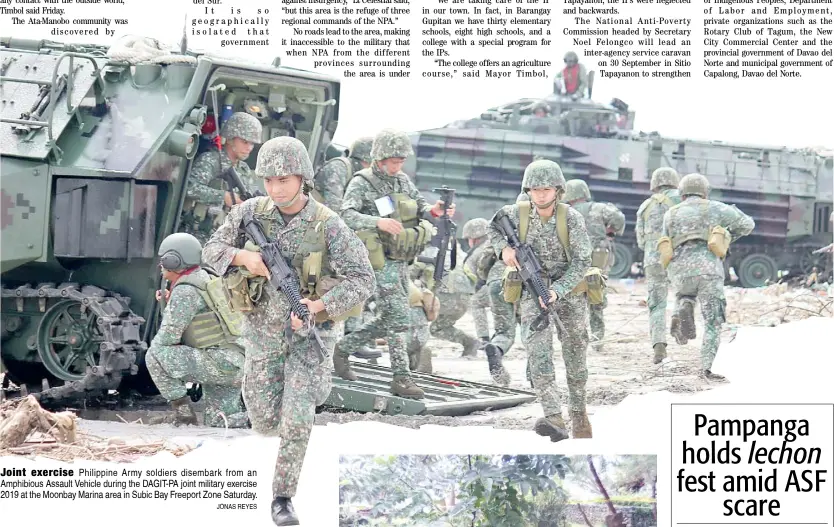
(622, 367)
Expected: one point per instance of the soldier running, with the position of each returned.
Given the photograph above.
(283, 379)
(565, 261)
(693, 232)
(649, 226)
(386, 209)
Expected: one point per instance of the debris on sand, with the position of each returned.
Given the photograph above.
(776, 304)
(29, 430)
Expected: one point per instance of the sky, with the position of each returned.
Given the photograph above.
(766, 112)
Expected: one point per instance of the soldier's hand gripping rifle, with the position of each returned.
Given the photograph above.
(231, 177)
(530, 270)
(446, 233)
(283, 278)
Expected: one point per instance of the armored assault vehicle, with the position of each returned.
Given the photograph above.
(788, 192)
(97, 145)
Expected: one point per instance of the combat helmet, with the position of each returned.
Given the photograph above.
(242, 125)
(361, 149)
(664, 177)
(542, 173)
(284, 156)
(180, 251)
(571, 58)
(541, 105)
(694, 185)
(475, 228)
(390, 143)
(577, 189)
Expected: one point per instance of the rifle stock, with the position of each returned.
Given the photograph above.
(530, 270)
(231, 177)
(283, 278)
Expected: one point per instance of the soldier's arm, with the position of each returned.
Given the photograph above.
(496, 239)
(349, 259)
(614, 219)
(226, 241)
(184, 304)
(665, 230)
(582, 87)
(331, 184)
(639, 228)
(738, 223)
(580, 248)
(204, 169)
(352, 204)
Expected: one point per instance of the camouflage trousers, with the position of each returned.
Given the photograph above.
(658, 284)
(597, 317)
(354, 323)
(709, 292)
(219, 371)
(572, 311)
(478, 305)
(418, 335)
(282, 391)
(505, 317)
(452, 307)
(391, 319)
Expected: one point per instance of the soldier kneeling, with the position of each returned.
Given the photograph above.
(197, 340)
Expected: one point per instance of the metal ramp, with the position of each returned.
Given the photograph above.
(444, 396)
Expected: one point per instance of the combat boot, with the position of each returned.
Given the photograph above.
(688, 320)
(341, 365)
(367, 353)
(708, 375)
(581, 425)
(496, 367)
(182, 414)
(501, 377)
(659, 352)
(283, 513)
(424, 363)
(470, 349)
(675, 330)
(552, 427)
(405, 387)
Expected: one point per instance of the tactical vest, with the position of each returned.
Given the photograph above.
(717, 237)
(599, 255)
(593, 283)
(416, 233)
(220, 325)
(317, 194)
(658, 198)
(310, 261)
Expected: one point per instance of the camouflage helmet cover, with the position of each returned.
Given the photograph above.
(361, 149)
(664, 177)
(541, 105)
(571, 57)
(475, 228)
(242, 125)
(180, 251)
(284, 156)
(542, 173)
(577, 189)
(694, 184)
(390, 143)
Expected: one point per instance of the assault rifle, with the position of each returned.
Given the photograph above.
(231, 177)
(530, 270)
(446, 233)
(284, 279)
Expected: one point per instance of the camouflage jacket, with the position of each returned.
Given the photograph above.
(600, 219)
(346, 253)
(183, 305)
(208, 166)
(476, 254)
(649, 225)
(358, 208)
(693, 258)
(332, 180)
(546, 245)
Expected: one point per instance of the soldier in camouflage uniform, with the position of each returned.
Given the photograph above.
(192, 344)
(207, 194)
(333, 177)
(573, 79)
(566, 268)
(375, 201)
(695, 272)
(455, 293)
(283, 381)
(475, 231)
(602, 221)
(664, 186)
(419, 355)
